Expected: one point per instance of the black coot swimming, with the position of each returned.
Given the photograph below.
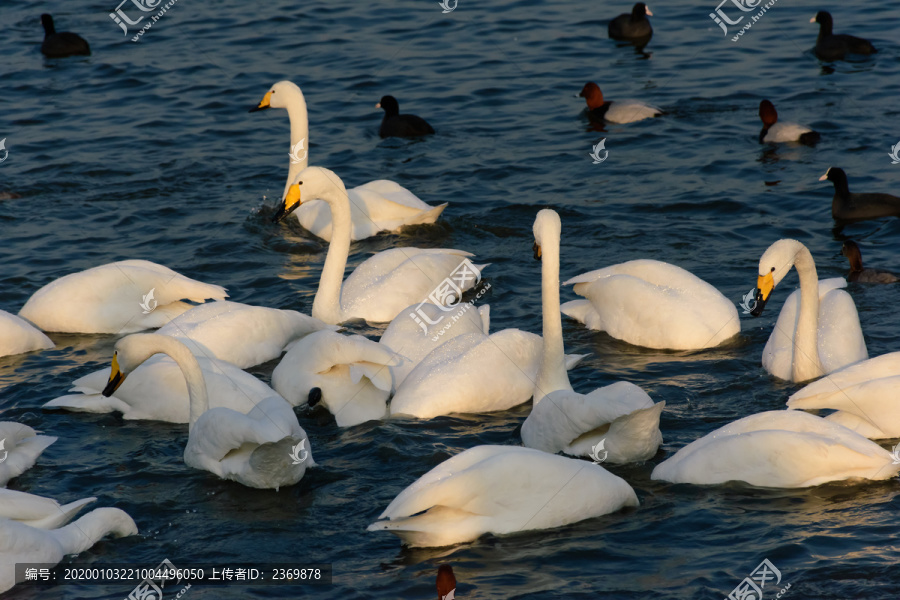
(634, 27)
(396, 125)
(836, 47)
(847, 207)
(64, 43)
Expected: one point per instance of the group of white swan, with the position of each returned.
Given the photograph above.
(429, 363)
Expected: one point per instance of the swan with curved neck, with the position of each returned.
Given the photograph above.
(20, 543)
(825, 335)
(619, 418)
(253, 449)
(382, 286)
(379, 205)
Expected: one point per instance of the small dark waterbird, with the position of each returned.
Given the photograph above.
(835, 47)
(632, 27)
(847, 207)
(860, 274)
(62, 44)
(396, 125)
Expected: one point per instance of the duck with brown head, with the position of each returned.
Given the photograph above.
(773, 131)
(860, 274)
(446, 583)
(619, 111)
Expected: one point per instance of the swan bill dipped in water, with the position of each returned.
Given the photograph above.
(501, 490)
(818, 329)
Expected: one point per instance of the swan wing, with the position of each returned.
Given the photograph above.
(841, 340)
(18, 335)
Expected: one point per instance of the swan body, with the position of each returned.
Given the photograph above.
(384, 284)
(501, 490)
(472, 373)
(253, 448)
(621, 415)
(352, 374)
(379, 205)
(863, 394)
(818, 330)
(18, 335)
(37, 511)
(241, 334)
(20, 447)
(653, 304)
(156, 391)
(779, 449)
(419, 329)
(107, 299)
(20, 543)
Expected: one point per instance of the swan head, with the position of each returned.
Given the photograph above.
(314, 182)
(546, 226)
(131, 352)
(278, 96)
(773, 266)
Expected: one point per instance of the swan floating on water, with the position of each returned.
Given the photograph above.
(18, 336)
(20, 447)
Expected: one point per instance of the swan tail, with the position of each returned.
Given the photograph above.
(427, 216)
(635, 436)
(577, 309)
(88, 403)
(573, 360)
(65, 514)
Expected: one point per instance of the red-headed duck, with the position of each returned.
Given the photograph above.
(773, 131)
(619, 111)
(860, 274)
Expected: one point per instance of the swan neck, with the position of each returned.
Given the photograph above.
(82, 534)
(296, 110)
(327, 303)
(193, 375)
(806, 364)
(552, 375)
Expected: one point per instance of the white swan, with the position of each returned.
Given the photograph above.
(379, 205)
(473, 373)
(653, 304)
(863, 394)
(37, 511)
(621, 418)
(119, 297)
(419, 329)
(20, 447)
(349, 375)
(20, 543)
(501, 490)
(255, 449)
(780, 449)
(241, 334)
(18, 335)
(157, 391)
(386, 283)
(825, 335)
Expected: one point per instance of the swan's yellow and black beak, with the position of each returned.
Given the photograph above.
(264, 103)
(116, 377)
(764, 285)
(290, 204)
(537, 251)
